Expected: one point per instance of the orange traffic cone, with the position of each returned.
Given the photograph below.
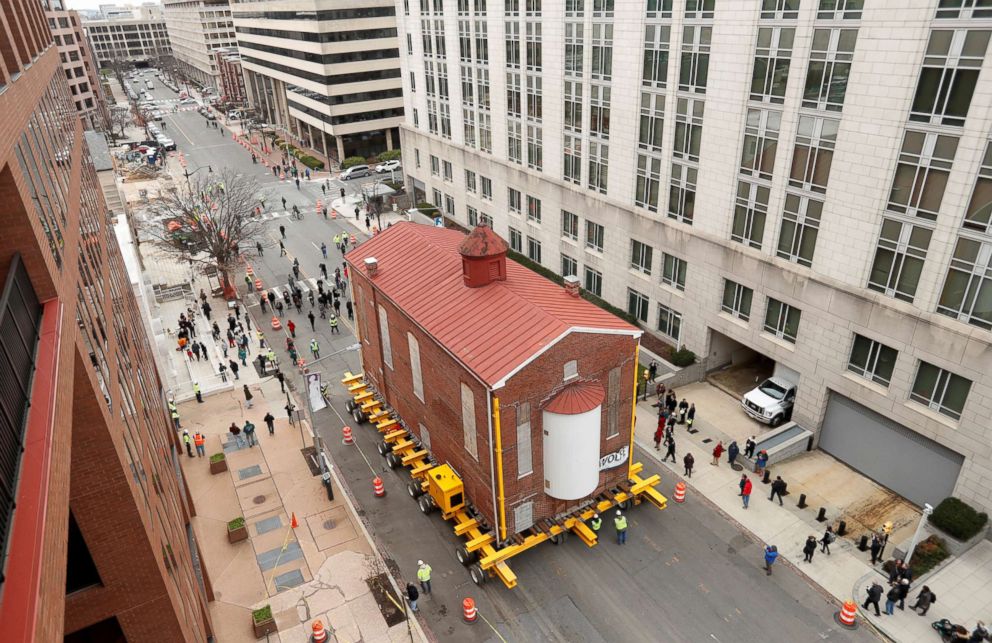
(319, 633)
(276, 324)
(293, 522)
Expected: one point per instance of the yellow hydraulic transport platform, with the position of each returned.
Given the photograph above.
(438, 487)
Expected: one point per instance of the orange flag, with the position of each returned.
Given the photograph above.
(293, 523)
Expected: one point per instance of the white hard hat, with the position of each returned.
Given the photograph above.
(420, 562)
(618, 512)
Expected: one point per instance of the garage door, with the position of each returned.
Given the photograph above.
(906, 462)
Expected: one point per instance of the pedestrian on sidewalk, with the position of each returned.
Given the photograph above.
(717, 452)
(778, 488)
(876, 548)
(250, 434)
(222, 371)
(197, 393)
(688, 461)
(292, 328)
(234, 369)
(270, 422)
(891, 598)
(258, 247)
(740, 484)
(248, 395)
(315, 349)
(243, 355)
(659, 434)
(337, 307)
(235, 431)
(196, 351)
(198, 442)
(620, 522)
(874, 594)
(771, 554)
(215, 331)
(923, 601)
(312, 319)
(683, 410)
(188, 442)
(732, 452)
(412, 595)
(323, 249)
(760, 462)
(424, 576)
(279, 307)
(323, 189)
(809, 549)
(652, 370)
(746, 491)
(671, 450)
(368, 222)
(749, 446)
(282, 231)
(206, 310)
(282, 380)
(903, 592)
(356, 213)
(283, 203)
(828, 537)
(351, 311)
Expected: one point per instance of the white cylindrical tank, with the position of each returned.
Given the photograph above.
(571, 422)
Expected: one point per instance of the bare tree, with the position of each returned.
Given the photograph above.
(209, 223)
(120, 118)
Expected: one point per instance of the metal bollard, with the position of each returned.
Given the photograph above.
(802, 501)
(822, 515)
(766, 479)
(863, 544)
(841, 528)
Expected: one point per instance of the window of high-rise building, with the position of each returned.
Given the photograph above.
(829, 68)
(782, 320)
(737, 300)
(640, 256)
(695, 59)
(899, 257)
(637, 304)
(940, 390)
(772, 58)
(688, 128)
(593, 281)
(813, 153)
(656, 39)
(750, 211)
(595, 235)
(569, 225)
(648, 183)
(922, 173)
(670, 322)
(800, 227)
(682, 193)
(949, 75)
(760, 143)
(533, 249)
(872, 360)
(967, 292)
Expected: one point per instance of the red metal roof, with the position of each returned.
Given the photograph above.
(493, 330)
(580, 397)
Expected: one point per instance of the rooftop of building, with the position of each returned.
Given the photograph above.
(494, 330)
(99, 150)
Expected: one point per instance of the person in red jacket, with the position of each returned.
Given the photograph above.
(659, 433)
(746, 492)
(717, 452)
(292, 328)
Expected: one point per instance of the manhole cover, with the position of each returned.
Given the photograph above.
(258, 500)
(328, 524)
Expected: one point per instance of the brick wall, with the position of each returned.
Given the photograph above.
(441, 411)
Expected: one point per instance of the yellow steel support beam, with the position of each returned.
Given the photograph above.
(580, 529)
(409, 458)
(386, 424)
(644, 483)
(363, 397)
(633, 412)
(499, 470)
(357, 388)
(349, 379)
(402, 445)
(512, 550)
(463, 527)
(394, 435)
(506, 575)
(480, 542)
(421, 470)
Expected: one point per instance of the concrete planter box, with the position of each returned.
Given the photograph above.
(237, 531)
(263, 623)
(955, 546)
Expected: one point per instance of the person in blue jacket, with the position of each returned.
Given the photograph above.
(771, 553)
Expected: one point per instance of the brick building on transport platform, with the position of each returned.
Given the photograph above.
(95, 542)
(451, 331)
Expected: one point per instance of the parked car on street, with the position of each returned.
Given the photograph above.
(354, 172)
(388, 166)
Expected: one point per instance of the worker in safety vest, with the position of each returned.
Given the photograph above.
(188, 441)
(596, 523)
(315, 348)
(174, 412)
(424, 576)
(620, 522)
(198, 441)
(196, 391)
(334, 329)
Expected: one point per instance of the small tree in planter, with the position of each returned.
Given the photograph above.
(218, 463)
(262, 621)
(236, 530)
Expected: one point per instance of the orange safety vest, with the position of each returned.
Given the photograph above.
(198, 439)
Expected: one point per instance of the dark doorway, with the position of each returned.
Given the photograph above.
(106, 631)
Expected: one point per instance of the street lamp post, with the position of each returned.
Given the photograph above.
(927, 511)
(188, 174)
(318, 444)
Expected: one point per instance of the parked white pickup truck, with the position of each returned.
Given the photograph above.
(771, 401)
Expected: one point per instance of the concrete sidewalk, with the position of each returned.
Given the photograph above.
(323, 569)
(965, 584)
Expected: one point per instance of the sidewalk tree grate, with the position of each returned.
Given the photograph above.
(268, 559)
(329, 524)
(258, 500)
(232, 445)
(248, 472)
(267, 525)
(289, 580)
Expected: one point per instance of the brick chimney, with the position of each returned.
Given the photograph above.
(572, 285)
(371, 266)
(483, 257)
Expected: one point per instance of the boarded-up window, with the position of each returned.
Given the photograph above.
(418, 380)
(613, 403)
(387, 348)
(523, 516)
(468, 420)
(571, 369)
(525, 463)
(425, 437)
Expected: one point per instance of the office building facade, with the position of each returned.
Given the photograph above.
(131, 41)
(806, 181)
(326, 73)
(95, 541)
(196, 29)
(77, 63)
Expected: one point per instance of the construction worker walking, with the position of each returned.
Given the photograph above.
(424, 576)
(334, 324)
(196, 391)
(620, 522)
(198, 441)
(188, 441)
(314, 349)
(596, 523)
(174, 412)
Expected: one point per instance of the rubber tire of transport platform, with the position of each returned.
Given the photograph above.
(350, 405)
(465, 557)
(383, 448)
(426, 504)
(359, 416)
(478, 574)
(414, 489)
(559, 539)
(392, 460)
(624, 506)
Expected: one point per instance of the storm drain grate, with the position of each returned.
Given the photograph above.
(267, 525)
(289, 580)
(248, 472)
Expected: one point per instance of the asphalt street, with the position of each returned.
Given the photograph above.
(686, 574)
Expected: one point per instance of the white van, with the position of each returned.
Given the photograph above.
(355, 171)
